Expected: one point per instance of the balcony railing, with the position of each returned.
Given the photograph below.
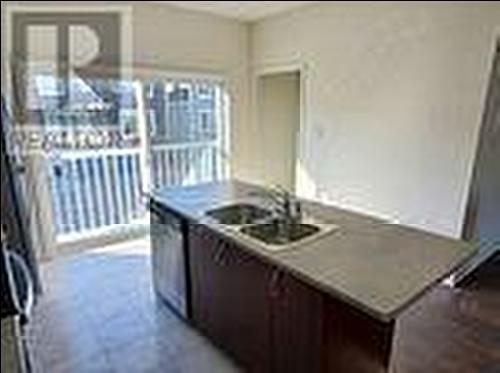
(186, 164)
(91, 190)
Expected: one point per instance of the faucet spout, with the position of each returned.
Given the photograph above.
(286, 206)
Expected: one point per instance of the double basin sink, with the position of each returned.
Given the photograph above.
(262, 225)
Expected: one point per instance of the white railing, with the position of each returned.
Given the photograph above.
(186, 164)
(95, 189)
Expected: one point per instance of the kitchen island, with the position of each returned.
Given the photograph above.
(328, 304)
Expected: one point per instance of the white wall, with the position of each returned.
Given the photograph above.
(172, 38)
(394, 97)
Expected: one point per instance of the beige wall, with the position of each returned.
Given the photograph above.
(171, 38)
(394, 96)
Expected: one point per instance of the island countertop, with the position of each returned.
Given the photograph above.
(375, 266)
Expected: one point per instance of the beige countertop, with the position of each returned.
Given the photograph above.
(378, 267)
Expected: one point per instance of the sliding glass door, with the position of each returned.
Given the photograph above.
(106, 144)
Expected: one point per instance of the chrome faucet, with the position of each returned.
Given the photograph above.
(287, 206)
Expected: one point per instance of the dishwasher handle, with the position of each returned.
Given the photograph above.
(21, 283)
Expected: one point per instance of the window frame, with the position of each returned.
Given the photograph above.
(223, 140)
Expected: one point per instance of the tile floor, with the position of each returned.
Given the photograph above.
(98, 314)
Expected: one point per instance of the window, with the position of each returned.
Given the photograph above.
(176, 115)
(188, 129)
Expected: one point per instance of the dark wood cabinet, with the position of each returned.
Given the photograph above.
(263, 317)
(296, 325)
(353, 341)
(268, 320)
(230, 302)
(248, 311)
(204, 278)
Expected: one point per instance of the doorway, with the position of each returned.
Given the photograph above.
(279, 115)
(170, 131)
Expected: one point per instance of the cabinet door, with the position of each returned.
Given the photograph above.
(247, 323)
(229, 298)
(205, 296)
(356, 342)
(297, 325)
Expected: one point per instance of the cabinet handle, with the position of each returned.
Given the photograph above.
(275, 283)
(219, 254)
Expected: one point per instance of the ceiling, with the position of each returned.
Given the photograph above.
(241, 10)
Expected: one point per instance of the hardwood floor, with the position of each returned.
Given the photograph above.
(453, 330)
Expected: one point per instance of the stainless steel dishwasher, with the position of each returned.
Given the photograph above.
(169, 262)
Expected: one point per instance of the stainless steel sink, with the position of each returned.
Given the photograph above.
(274, 233)
(266, 228)
(238, 214)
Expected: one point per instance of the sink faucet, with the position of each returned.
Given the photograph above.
(287, 206)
